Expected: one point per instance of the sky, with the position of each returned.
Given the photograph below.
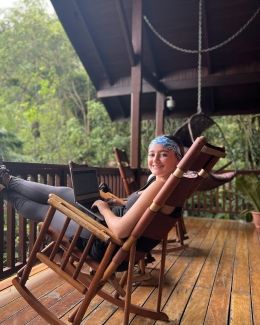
(9, 3)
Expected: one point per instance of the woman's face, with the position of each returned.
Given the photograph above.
(161, 161)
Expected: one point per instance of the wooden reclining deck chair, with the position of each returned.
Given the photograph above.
(152, 227)
(130, 185)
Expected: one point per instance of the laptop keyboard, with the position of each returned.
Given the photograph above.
(93, 213)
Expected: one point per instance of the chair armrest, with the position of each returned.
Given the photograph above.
(100, 231)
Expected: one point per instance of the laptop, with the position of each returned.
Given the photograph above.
(86, 189)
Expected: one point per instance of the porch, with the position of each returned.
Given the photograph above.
(215, 280)
(17, 234)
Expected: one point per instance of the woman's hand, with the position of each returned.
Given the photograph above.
(101, 205)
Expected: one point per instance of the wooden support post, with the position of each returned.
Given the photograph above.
(136, 83)
(159, 116)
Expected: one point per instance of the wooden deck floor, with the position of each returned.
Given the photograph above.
(213, 281)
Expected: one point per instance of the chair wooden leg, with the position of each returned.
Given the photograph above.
(181, 231)
(161, 274)
(121, 283)
(32, 258)
(129, 284)
(181, 236)
(143, 275)
(93, 287)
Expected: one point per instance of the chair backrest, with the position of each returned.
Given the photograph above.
(126, 173)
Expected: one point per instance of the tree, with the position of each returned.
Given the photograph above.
(10, 146)
(43, 83)
(48, 104)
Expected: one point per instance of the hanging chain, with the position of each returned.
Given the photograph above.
(199, 56)
(178, 48)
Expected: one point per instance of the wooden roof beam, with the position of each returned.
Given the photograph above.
(93, 44)
(154, 81)
(126, 33)
(151, 51)
(213, 80)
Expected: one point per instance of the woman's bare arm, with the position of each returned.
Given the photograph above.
(122, 227)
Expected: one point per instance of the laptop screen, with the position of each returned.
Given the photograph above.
(85, 185)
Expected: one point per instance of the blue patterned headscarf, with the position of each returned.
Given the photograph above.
(167, 143)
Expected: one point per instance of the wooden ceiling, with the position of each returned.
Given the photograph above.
(100, 31)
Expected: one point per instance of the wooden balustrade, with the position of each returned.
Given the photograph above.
(222, 201)
(18, 234)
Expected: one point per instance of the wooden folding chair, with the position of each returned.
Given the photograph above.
(126, 173)
(120, 255)
(108, 195)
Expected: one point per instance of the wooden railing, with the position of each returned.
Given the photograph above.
(222, 202)
(17, 234)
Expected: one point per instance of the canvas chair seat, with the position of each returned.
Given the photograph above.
(153, 226)
(216, 179)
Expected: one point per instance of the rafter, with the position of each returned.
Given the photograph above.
(154, 81)
(93, 43)
(150, 50)
(126, 33)
(213, 80)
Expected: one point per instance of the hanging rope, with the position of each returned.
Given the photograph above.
(199, 109)
(199, 113)
(199, 57)
(181, 49)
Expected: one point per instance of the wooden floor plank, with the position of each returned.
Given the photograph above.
(28, 314)
(240, 295)
(176, 272)
(254, 264)
(213, 281)
(240, 311)
(197, 306)
(218, 308)
(46, 283)
(10, 293)
(7, 283)
(177, 302)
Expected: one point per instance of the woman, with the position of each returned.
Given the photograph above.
(30, 198)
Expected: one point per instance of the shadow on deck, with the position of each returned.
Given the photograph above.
(215, 280)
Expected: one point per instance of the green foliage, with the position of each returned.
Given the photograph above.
(10, 145)
(49, 112)
(240, 135)
(249, 188)
(103, 136)
(42, 83)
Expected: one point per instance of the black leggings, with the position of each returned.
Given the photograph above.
(30, 200)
